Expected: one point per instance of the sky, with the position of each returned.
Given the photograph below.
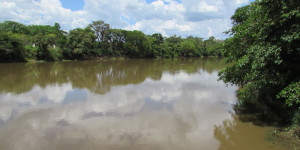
(202, 18)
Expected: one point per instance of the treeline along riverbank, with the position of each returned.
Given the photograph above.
(263, 51)
(19, 42)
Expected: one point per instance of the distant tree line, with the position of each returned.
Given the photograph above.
(19, 42)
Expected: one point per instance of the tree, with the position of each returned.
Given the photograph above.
(264, 50)
(188, 48)
(173, 44)
(116, 40)
(41, 42)
(14, 27)
(212, 47)
(80, 42)
(60, 35)
(158, 38)
(136, 44)
(100, 28)
(47, 42)
(42, 29)
(174, 39)
(11, 47)
(56, 26)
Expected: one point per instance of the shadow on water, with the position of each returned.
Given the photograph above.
(236, 134)
(262, 111)
(97, 76)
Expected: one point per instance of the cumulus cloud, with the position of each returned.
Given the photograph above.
(169, 17)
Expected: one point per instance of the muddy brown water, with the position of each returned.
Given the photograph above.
(161, 104)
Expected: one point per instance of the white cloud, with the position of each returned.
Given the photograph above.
(169, 17)
(8, 4)
(204, 7)
(239, 2)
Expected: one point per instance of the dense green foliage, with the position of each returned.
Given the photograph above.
(265, 52)
(11, 47)
(43, 42)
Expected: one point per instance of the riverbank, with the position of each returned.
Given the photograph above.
(288, 137)
(103, 58)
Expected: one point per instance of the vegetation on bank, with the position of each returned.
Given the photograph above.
(264, 49)
(19, 42)
(287, 137)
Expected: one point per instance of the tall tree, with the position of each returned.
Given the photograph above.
(265, 50)
(100, 29)
(116, 40)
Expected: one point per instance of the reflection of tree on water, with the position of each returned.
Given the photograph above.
(250, 118)
(261, 111)
(97, 76)
(235, 134)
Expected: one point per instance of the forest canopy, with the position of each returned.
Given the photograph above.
(19, 42)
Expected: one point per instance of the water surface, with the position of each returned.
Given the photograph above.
(169, 104)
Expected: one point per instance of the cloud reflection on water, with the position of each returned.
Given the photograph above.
(177, 112)
(116, 104)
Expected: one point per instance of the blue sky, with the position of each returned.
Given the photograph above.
(129, 21)
(203, 18)
(150, 1)
(74, 5)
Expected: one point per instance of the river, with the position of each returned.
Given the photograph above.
(136, 104)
